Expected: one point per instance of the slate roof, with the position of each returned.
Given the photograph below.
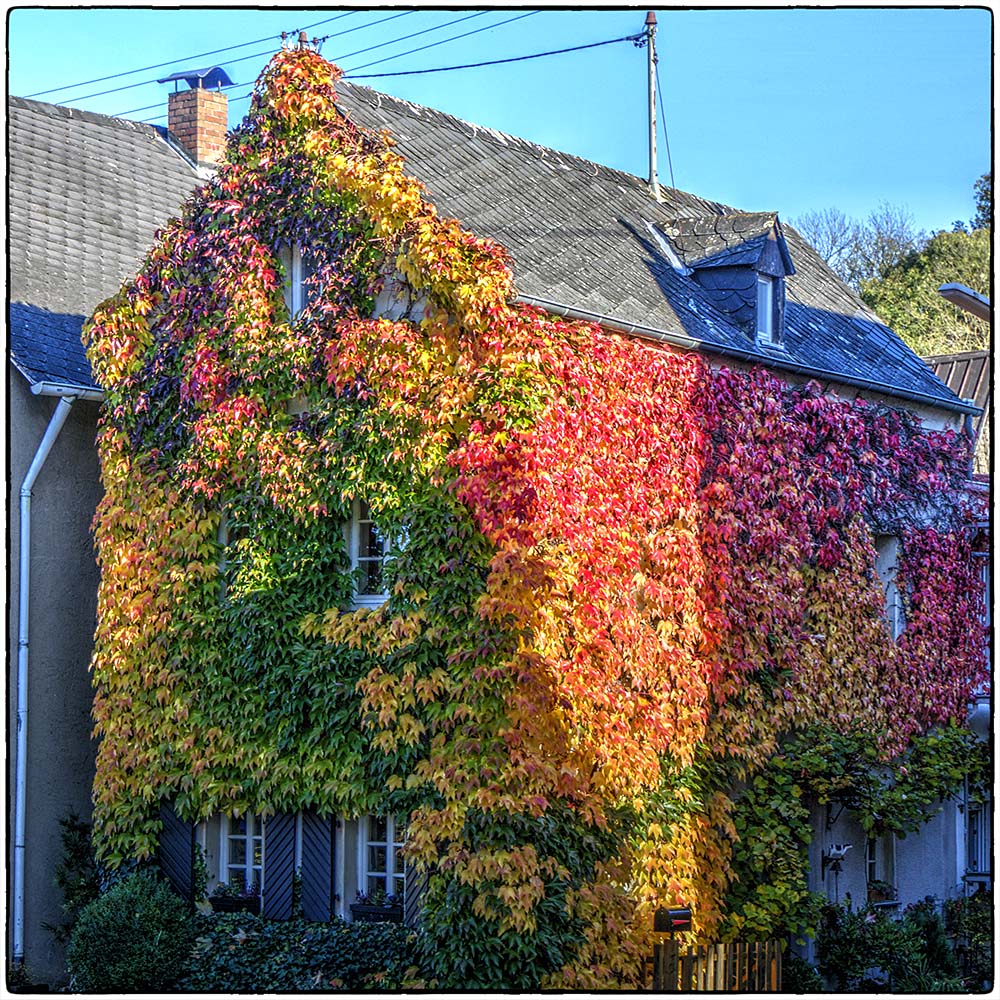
(579, 235)
(86, 194)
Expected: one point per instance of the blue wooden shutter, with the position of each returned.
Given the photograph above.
(416, 886)
(316, 866)
(176, 851)
(279, 865)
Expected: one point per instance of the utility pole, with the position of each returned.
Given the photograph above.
(654, 183)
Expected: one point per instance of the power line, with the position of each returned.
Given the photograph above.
(393, 41)
(443, 41)
(491, 62)
(663, 116)
(370, 48)
(169, 62)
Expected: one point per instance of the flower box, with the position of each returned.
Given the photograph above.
(235, 904)
(371, 913)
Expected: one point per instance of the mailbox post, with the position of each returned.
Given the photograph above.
(665, 954)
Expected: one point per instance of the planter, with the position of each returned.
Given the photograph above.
(235, 904)
(367, 913)
(881, 896)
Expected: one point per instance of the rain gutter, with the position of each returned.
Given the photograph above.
(679, 340)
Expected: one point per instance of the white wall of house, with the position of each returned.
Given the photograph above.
(63, 614)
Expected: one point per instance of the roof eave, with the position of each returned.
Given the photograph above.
(753, 357)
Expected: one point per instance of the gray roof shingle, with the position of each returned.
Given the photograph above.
(579, 236)
(86, 194)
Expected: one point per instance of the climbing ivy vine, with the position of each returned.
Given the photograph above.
(633, 589)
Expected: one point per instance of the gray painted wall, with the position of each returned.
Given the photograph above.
(63, 608)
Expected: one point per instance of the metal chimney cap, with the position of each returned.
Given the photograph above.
(201, 79)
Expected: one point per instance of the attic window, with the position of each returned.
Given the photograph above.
(769, 290)
(298, 270)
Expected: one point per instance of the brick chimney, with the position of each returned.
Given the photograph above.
(197, 118)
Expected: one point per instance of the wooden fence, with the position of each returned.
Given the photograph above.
(737, 967)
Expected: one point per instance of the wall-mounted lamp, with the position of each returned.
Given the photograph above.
(834, 859)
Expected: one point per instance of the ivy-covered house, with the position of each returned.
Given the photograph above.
(544, 568)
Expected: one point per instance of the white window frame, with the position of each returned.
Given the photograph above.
(250, 871)
(393, 878)
(887, 566)
(360, 520)
(767, 309)
(975, 839)
(296, 274)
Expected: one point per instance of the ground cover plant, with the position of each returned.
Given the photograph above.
(627, 589)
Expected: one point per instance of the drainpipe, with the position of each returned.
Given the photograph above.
(23, 601)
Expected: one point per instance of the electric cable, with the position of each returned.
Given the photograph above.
(169, 62)
(663, 116)
(443, 41)
(393, 41)
(491, 62)
(231, 62)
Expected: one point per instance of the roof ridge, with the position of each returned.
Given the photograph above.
(94, 117)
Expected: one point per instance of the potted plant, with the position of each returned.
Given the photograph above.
(880, 891)
(377, 907)
(235, 897)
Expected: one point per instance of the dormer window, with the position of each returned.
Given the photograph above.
(298, 269)
(768, 310)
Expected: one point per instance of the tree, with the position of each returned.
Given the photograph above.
(906, 295)
(861, 251)
(983, 218)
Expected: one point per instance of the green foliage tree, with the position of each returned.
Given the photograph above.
(983, 218)
(906, 294)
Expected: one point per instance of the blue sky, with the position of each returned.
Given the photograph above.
(786, 109)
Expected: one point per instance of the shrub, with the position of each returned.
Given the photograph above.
(77, 874)
(969, 920)
(869, 950)
(244, 953)
(134, 938)
(798, 976)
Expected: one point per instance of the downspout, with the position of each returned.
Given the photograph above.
(56, 422)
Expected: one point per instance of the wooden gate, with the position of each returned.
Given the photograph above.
(736, 967)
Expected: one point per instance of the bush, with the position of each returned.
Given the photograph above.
(135, 938)
(969, 920)
(244, 953)
(870, 951)
(76, 874)
(798, 976)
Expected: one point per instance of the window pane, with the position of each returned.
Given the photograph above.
(397, 855)
(398, 886)
(375, 884)
(371, 577)
(237, 852)
(371, 542)
(378, 828)
(238, 826)
(376, 858)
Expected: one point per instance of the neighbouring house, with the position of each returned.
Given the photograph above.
(86, 194)
(526, 575)
(968, 375)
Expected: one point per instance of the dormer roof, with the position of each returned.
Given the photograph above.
(739, 239)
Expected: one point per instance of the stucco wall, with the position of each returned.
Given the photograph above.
(62, 616)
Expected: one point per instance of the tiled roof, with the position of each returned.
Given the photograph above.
(969, 376)
(579, 235)
(86, 194)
